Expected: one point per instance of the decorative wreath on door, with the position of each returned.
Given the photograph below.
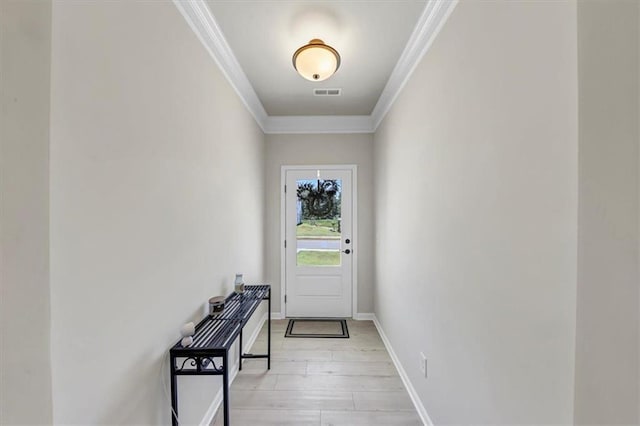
(318, 199)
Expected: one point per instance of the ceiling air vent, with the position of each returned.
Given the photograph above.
(327, 92)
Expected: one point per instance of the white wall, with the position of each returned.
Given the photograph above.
(156, 201)
(608, 281)
(476, 201)
(25, 51)
(321, 149)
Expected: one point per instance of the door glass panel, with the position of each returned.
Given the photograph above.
(318, 222)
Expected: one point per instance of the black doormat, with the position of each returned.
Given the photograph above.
(317, 327)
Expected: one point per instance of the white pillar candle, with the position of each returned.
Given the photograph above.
(188, 329)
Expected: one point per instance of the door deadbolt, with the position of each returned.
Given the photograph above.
(347, 241)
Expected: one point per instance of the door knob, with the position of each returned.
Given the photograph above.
(347, 251)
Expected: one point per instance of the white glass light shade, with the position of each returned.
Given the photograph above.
(316, 61)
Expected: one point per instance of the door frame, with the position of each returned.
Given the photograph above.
(354, 229)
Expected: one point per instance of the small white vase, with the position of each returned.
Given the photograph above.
(238, 284)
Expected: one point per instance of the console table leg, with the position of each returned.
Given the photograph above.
(174, 392)
(269, 334)
(240, 352)
(225, 389)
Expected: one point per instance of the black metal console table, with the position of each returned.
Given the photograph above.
(212, 341)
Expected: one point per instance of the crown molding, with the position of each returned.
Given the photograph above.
(319, 124)
(202, 22)
(433, 18)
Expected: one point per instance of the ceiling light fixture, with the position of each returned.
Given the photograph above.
(316, 61)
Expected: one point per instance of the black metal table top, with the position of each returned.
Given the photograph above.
(242, 306)
(220, 331)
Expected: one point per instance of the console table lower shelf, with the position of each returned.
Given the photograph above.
(208, 355)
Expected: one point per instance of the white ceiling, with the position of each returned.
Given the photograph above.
(370, 36)
(271, 72)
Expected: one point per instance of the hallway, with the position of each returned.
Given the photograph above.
(321, 382)
(496, 210)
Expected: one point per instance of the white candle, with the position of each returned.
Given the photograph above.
(188, 329)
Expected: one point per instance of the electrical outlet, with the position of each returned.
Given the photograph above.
(423, 364)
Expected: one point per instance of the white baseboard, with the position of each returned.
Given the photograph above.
(252, 339)
(364, 316)
(422, 412)
(217, 401)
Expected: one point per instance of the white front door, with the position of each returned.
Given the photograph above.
(319, 242)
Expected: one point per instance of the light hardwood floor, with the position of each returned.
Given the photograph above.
(320, 382)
